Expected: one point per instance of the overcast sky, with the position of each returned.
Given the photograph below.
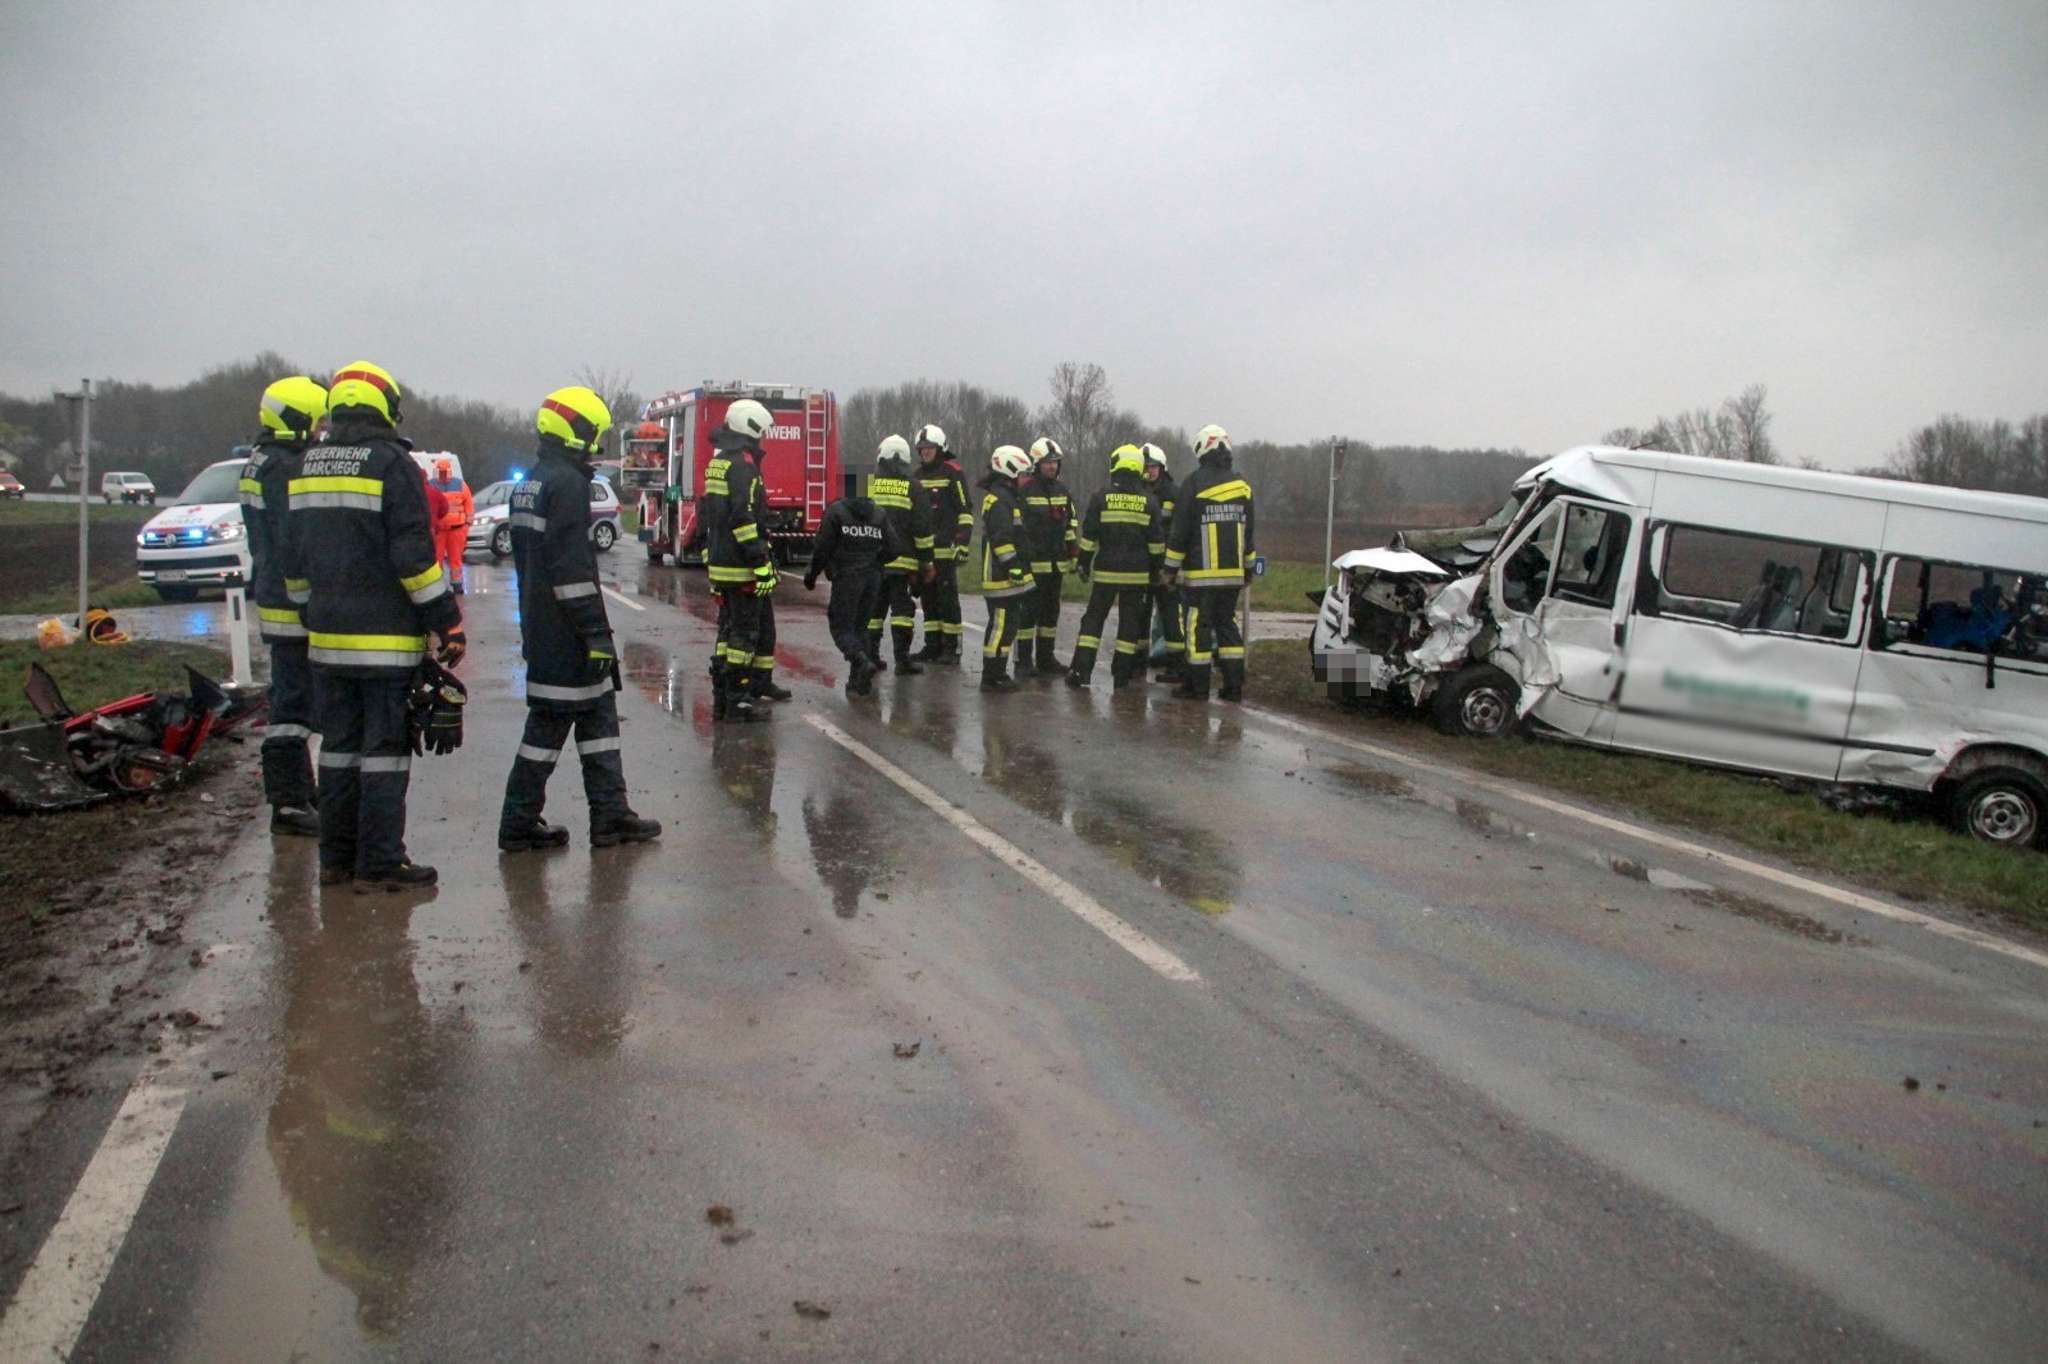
(1518, 224)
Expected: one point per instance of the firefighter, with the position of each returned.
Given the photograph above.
(952, 518)
(856, 540)
(453, 530)
(565, 636)
(1049, 533)
(289, 412)
(902, 502)
(1006, 584)
(740, 564)
(1122, 544)
(1209, 549)
(1172, 652)
(360, 563)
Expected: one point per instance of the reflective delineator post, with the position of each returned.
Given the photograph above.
(238, 635)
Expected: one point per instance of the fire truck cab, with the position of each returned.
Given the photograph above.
(666, 453)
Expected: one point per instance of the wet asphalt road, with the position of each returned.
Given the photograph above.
(1453, 1082)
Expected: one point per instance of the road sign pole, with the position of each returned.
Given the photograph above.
(84, 483)
(1337, 448)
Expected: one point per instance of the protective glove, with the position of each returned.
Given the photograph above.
(1084, 570)
(444, 721)
(1168, 577)
(810, 582)
(454, 644)
(765, 578)
(600, 656)
(1018, 577)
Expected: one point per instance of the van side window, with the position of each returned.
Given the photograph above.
(1590, 555)
(1962, 607)
(1754, 582)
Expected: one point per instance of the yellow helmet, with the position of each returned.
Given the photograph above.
(1127, 459)
(575, 416)
(363, 384)
(292, 407)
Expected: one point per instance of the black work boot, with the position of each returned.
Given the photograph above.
(294, 819)
(934, 648)
(626, 827)
(1077, 679)
(860, 676)
(531, 836)
(906, 664)
(719, 700)
(393, 880)
(993, 678)
(765, 689)
(875, 662)
(336, 875)
(1048, 662)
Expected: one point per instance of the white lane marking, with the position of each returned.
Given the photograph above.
(1792, 880)
(58, 1292)
(1083, 906)
(622, 599)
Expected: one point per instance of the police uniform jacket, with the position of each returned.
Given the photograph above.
(359, 554)
(856, 537)
(1211, 539)
(562, 619)
(265, 495)
(1122, 539)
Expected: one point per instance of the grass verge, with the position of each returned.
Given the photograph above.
(1909, 856)
(92, 675)
(1285, 586)
(114, 594)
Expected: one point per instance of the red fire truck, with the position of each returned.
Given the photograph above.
(666, 453)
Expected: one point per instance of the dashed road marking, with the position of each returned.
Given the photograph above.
(58, 1292)
(1070, 896)
(622, 599)
(1791, 880)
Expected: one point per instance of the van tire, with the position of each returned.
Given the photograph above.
(1478, 702)
(2001, 805)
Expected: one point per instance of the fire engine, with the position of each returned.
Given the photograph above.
(666, 453)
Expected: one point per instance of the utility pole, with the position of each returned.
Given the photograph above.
(1339, 447)
(84, 400)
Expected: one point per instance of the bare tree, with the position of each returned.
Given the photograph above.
(616, 388)
(1082, 409)
(1738, 429)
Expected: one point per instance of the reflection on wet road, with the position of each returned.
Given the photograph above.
(1441, 1082)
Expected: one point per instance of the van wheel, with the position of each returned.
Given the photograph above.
(1478, 703)
(603, 534)
(501, 542)
(2002, 805)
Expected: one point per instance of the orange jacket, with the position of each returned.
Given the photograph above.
(461, 505)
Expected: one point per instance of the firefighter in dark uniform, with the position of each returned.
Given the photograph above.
(1123, 543)
(290, 410)
(361, 564)
(1209, 549)
(902, 501)
(855, 539)
(1173, 648)
(741, 565)
(952, 517)
(1050, 534)
(1006, 584)
(565, 636)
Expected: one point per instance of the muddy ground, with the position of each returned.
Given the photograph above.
(92, 910)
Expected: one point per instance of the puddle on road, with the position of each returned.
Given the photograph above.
(1371, 779)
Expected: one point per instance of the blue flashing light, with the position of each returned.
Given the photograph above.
(519, 475)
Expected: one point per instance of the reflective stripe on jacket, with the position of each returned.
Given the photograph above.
(1002, 528)
(564, 632)
(903, 502)
(945, 496)
(1048, 522)
(730, 517)
(1212, 526)
(265, 495)
(1122, 538)
(360, 550)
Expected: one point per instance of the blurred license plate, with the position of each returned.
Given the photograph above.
(170, 575)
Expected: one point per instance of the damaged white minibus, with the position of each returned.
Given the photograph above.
(1817, 625)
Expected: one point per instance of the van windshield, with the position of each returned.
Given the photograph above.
(213, 484)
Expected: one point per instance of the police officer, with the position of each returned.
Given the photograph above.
(1173, 650)
(741, 565)
(952, 519)
(855, 540)
(1122, 544)
(1209, 548)
(902, 501)
(572, 667)
(360, 562)
(290, 411)
(1006, 584)
(1049, 532)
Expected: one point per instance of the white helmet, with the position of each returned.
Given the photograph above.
(1045, 448)
(934, 436)
(893, 450)
(748, 420)
(1211, 438)
(1009, 461)
(1154, 455)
